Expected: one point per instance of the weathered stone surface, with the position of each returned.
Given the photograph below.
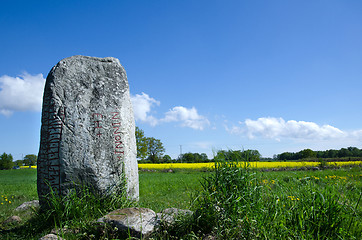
(51, 237)
(88, 128)
(140, 222)
(27, 205)
(169, 215)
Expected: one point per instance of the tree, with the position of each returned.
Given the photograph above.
(343, 153)
(251, 155)
(355, 152)
(155, 149)
(238, 155)
(166, 159)
(141, 142)
(19, 163)
(332, 153)
(187, 158)
(204, 157)
(6, 161)
(286, 156)
(30, 160)
(149, 148)
(307, 153)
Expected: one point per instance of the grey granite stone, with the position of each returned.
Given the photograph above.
(27, 205)
(88, 128)
(169, 215)
(51, 237)
(140, 222)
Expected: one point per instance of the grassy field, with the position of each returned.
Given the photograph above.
(160, 190)
(231, 204)
(16, 187)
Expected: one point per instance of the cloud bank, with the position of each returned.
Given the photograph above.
(277, 128)
(21, 93)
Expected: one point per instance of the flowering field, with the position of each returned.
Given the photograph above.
(252, 164)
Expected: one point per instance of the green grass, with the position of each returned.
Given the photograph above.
(231, 203)
(18, 186)
(159, 190)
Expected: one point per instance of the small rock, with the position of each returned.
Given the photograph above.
(51, 237)
(169, 215)
(63, 230)
(209, 237)
(141, 222)
(12, 220)
(27, 205)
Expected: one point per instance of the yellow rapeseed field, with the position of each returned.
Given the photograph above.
(209, 165)
(252, 164)
(27, 167)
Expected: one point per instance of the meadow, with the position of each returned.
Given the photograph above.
(229, 202)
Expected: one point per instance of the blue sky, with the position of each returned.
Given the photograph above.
(274, 76)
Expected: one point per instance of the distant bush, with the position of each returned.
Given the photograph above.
(6, 161)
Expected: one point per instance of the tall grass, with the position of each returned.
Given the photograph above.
(73, 215)
(238, 203)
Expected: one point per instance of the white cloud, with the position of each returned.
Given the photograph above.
(357, 134)
(203, 145)
(142, 104)
(22, 93)
(276, 128)
(187, 116)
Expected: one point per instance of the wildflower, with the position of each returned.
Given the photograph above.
(293, 198)
(9, 201)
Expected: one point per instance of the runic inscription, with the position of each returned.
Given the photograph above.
(51, 131)
(97, 124)
(118, 144)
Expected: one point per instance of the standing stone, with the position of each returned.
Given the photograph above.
(88, 128)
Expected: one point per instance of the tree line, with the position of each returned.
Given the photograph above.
(6, 161)
(308, 153)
